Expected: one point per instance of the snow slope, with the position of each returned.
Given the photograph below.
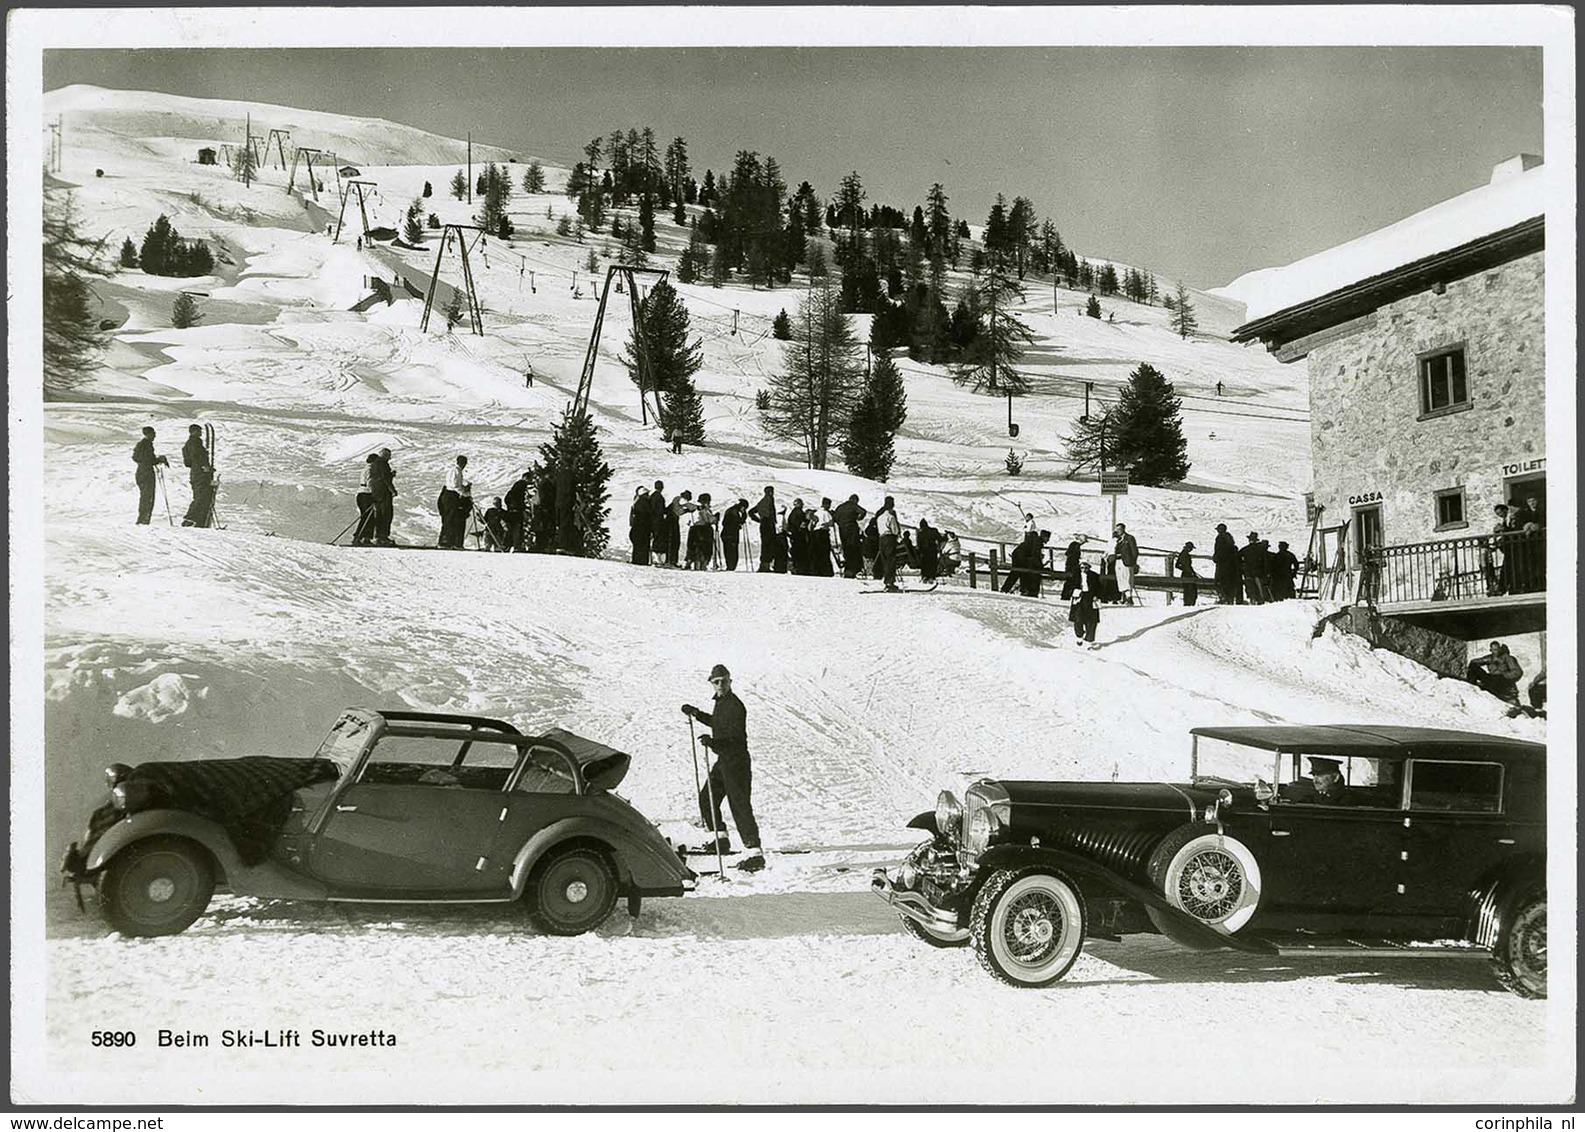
(164, 643)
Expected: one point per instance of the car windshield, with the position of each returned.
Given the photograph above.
(345, 741)
(1220, 762)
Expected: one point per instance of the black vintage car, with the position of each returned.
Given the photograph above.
(1327, 840)
(394, 807)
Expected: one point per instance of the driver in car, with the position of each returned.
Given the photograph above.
(1323, 787)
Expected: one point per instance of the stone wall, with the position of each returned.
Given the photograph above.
(1365, 403)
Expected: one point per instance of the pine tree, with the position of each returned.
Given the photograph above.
(679, 215)
(495, 191)
(184, 312)
(412, 224)
(459, 185)
(646, 222)
(850, 211)
(812, 399)
(990, 358)
(245, 165)
(571, 476)
(72, 338)
(867, 448)
(1093, 307)
(1147, 430)
(890, 395)
(129, 253)
(1183, 320)
(672, 358)
(534, 178)
(682, 410)
(1082, 446)
(1106, 280)
(429, 190)
(781, 326)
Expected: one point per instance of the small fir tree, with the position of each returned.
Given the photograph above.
(534, 178)
(1148, 424)
(891, 398)
(1183, 320)
(412, 225)
(781, 326)
(459, 185)
(571, 476)
(672, 359)
(184, 312)
(1093, 307)
(1014, 462)
(429, 190)
(646, 223)
(867, 448)
(129, 253)
(989, 359)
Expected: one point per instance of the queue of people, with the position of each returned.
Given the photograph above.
(1253, 574)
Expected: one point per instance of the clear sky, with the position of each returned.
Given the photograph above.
(1198, 163)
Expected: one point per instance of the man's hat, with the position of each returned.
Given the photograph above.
(719, 671)
(1325, 766)
(1221, 526)
(1188, 546)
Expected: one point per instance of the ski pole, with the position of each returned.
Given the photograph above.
(715, 813)
(694, 746)
(358, 522)
(163, 496)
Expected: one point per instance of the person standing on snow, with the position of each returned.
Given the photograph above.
(382, 483)
(1070, 568)
(367, 508)
(732, 520)
(1185, 566)
(143, 456)
(888, 528)
(1253, 567)
(1224, 556)
(1127, 565)
(929, 547)
(638, 526)
(732, 775)
(517, 511)
(200, 477)
(1084, 614)
(453, 518)
(821, 525)
(848, 516)
(765, 513)
(681, 505)
(1284, 567)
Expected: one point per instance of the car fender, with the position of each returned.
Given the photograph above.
(925, 821)
(1022, 856)
(165, 823)
(1489, 903)
(644, 863)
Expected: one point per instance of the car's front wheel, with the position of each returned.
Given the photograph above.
(1519, 959)
(572, 891)
(156, 887)
(1211, 876)
(1027, 926)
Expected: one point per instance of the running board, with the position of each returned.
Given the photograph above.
(1375, 949)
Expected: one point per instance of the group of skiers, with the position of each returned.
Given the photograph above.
(1254, 573)
(503, 526)
(816, 541)
(197, 457)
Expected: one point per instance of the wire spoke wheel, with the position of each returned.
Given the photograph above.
(1210, 876)
(1211, 885)
(1519, 959)
(1028, 927)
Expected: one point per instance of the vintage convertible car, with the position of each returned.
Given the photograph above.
(394, 807)
(1327, 840)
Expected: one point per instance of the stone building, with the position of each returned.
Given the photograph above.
(1425, 347)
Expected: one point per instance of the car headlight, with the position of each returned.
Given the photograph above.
(948, 814)
(982, 824)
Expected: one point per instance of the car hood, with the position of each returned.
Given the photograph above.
(603, 767)
(1132, 796)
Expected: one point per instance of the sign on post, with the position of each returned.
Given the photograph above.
(1114, 483)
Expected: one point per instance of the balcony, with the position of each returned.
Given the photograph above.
(1467, 587)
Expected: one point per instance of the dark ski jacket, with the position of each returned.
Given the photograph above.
(143, 456)
(1254, 560)
(195, 455)
(765, 512)
(382, 480)
(517, 496)
(732, 520)
(1225, 552)
(728, 726)
(638, 517)
(1185, 564)
(847, 516)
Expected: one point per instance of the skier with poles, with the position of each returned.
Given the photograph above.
(200, 477)
(367, 508)
(143, 456)
(731, 775)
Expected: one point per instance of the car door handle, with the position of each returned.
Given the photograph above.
(1281, 833)
(346, 809)
(1505, 841)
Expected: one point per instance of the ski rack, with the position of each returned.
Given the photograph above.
(580, 401)
(363, 207)
(475, 321)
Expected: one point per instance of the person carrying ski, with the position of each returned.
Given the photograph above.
(143, 456)
(732, 775)
(765, 513)
(848, 515)
(200, 477)
(888, 528)
(454, 512)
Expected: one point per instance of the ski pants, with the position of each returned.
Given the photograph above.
(852, 551)
(886, 560)
(729, 543)
(368, 515)
(767, 549)
(145, 481)
(731, 779)
(384, 512)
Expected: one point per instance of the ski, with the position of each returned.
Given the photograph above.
(902, 590)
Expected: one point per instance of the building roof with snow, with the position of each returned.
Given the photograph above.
(1500, 220)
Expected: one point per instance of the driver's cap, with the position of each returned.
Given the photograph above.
(719, 671)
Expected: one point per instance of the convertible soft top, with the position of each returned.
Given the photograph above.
(1377, 739)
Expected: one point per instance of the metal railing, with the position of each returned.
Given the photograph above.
(1456, 569)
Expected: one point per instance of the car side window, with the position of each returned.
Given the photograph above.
(1360, 782)
(545, 773)
(409, 760)
(1461, 787)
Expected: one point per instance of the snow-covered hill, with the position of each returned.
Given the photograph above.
(163, 642)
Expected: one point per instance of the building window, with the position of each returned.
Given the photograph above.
(1443, 385)
(1450, 509)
